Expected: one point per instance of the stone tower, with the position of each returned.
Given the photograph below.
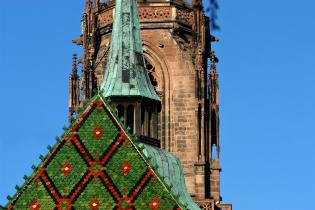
(176, 44)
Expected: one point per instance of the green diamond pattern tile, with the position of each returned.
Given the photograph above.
(67, 159)
(35, 194)
(95, 190)
(126, 181)
(154, 189)
(98, 118)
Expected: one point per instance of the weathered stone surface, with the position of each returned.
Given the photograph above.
(176, 44)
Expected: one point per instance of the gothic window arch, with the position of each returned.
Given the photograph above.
(151, 73)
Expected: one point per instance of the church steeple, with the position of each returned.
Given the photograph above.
(126, 81)
(125, 73)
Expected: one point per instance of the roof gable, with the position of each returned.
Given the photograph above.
(96, 165)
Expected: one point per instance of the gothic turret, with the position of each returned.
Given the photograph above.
(214, 156)
(74, 92)
(126, 81)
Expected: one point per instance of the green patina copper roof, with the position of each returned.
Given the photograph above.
(125, 73)
(97, 164)
(169, 167)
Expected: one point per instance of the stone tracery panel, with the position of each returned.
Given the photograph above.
(185, 16)
(151, 13)
(206, 204)
(106, 17)
(155, 13)
(152, 75)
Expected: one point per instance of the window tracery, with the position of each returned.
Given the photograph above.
(151, 70)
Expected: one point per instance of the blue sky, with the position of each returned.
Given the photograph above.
(267, 83)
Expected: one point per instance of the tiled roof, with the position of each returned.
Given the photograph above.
(98, 165)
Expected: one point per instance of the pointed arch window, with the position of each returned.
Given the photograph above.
(150, 69)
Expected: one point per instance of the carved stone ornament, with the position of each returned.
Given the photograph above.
(145, 13)
(199, 60)
(185, 16)
(206, 204)
(182, 41)
(106, 17)
(154, 13)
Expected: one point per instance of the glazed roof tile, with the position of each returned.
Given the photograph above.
(98, 154)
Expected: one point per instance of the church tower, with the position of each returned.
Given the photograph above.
(109, 156)
(171, 99)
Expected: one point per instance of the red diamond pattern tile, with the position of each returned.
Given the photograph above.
(66, 169)
(155, 203)
(98, 132)
(125, 168)
(94, 204)
(35, 205)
